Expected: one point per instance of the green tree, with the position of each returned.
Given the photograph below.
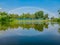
(46, 16)
(3, 13)
(4, 17)
(39, 14)
(59, 13)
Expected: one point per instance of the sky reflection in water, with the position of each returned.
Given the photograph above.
(17, 34)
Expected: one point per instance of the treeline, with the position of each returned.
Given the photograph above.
(36, 15)
(5, 17)
(53, 19)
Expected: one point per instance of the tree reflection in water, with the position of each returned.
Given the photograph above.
(39, 27)
(59, 30)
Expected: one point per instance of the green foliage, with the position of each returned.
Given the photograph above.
(59, 11)
(39, 14)
(46, 16)
(4, 17)
(55, 19)
(36, 15)
(3, 13)
(24, 16)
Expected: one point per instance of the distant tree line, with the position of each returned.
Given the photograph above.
(53, 19)
(8, 17)
(5, 17)
(36, 15)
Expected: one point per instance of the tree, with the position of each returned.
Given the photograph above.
(25, 16)
(52, 18)
(4, 17)
(39, 14)
(13, 16)
(59, 13)
(46, 16)
(3, 13)
(32, 16)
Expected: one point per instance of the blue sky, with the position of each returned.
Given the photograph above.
(51, 5)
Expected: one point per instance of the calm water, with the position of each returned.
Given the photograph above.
(30, 34)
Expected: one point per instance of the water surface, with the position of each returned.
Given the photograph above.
(30, 34)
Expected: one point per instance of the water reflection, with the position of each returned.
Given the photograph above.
(59, 30)
(39, 27)
(34, 33)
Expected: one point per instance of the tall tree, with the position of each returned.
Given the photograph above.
(39, 14)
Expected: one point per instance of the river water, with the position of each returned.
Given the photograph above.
(30, 34)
